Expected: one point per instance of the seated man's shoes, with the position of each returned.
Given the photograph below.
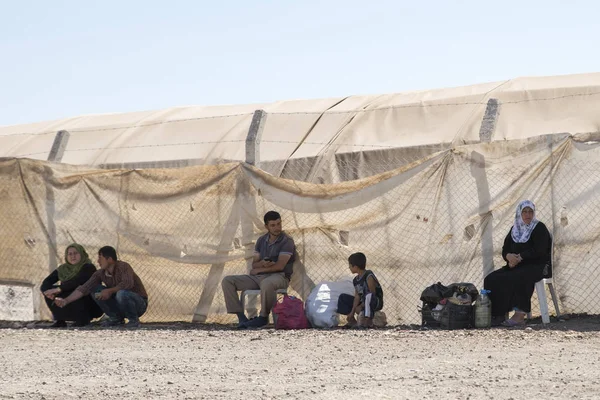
(242, 320)
(257, 322)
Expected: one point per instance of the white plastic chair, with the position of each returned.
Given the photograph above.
(540, 289)
(541, 294)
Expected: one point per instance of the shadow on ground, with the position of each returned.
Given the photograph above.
(573, 322)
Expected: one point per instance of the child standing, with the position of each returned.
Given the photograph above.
(368, 294)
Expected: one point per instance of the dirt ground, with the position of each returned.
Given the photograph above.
(184, 361)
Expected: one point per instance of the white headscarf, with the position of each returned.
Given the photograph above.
(520, 231)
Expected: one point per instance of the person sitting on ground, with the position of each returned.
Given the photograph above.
(527, 252)
(368, 294)
(272, 269)
(76, 270)
(122, 296)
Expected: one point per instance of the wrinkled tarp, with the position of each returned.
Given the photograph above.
(440, 218)
(322, 140)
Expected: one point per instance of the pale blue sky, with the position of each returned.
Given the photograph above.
(66, 58)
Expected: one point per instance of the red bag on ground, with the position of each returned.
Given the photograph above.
(289, 314)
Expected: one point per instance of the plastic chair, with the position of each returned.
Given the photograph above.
(256, 292)
(540, 289)
(541, 294)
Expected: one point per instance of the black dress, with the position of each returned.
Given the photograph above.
(513, 287)
(83, 310)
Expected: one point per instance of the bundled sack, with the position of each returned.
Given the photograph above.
(289, 314)
(463, 288)
(433, 294)
(448, 307)
(322, 302)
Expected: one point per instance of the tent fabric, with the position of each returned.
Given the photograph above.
(404, 178)
(322, 128)
(443, 218)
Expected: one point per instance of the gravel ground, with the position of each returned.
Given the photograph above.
(184, 361)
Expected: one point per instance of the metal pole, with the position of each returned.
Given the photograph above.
(56, 154)
(253, 138)
(488, 123)
(486, 132)
(58, 147)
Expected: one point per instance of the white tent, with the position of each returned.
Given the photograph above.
(300, 129)
(424, 182)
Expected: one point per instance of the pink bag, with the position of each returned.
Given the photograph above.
(289, 314)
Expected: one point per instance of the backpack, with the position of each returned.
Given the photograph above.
(434, 293)
(289, 314)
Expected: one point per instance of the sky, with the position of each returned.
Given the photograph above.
(62, 59)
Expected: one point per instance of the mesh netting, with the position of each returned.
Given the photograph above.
(439, 216)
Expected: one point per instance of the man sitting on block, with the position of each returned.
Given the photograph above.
(272, 266)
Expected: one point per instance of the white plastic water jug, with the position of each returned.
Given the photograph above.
(483, 310)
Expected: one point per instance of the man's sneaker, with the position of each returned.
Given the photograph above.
(256, 322)
(133, 324)
(242, 321)
(112, 322)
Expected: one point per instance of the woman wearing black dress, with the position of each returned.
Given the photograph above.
(76, 270)
(527, 252)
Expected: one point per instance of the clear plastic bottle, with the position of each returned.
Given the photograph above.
(483, 310)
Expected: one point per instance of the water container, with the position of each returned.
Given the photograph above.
(483, 310)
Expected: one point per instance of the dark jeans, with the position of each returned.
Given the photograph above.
(123, 304)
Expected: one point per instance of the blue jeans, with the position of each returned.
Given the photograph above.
(123, 304)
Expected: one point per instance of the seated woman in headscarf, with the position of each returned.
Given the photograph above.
(76, 270)
(527, 252)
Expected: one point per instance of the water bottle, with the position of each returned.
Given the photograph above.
(483, 310)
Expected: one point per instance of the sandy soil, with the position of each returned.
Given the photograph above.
(183, 361)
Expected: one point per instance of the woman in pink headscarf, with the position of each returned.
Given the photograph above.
(527, 252)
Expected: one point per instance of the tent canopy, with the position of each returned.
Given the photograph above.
(301, 129)
(425, 183)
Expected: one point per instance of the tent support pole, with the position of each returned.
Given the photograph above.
(478, 171)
